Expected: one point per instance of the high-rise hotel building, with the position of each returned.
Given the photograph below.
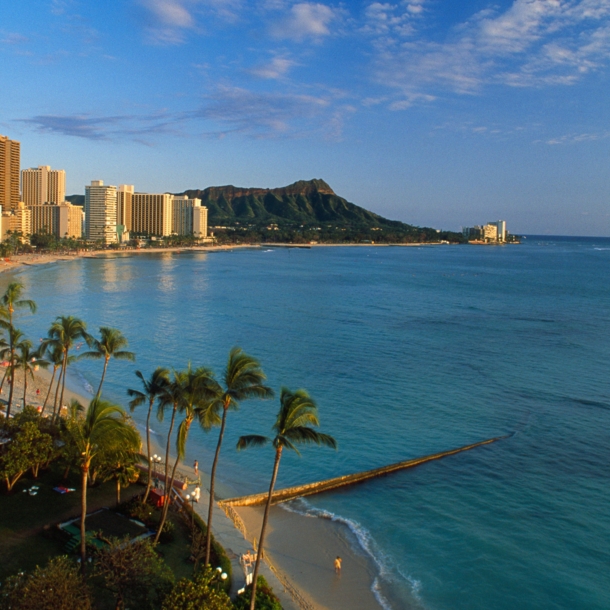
(42, 184)
(152, 214)
(101, 212)
(10, 159)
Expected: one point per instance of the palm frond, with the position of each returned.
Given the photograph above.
(251, 440)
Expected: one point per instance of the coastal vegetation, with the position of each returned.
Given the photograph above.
(97, 449)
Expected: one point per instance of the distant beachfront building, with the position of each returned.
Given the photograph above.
(19, 220)
(185, 211)
(491, 232)
(101, 212)
(501, 229)
(200, 222)
(40, 185)
(151, 214)
(125, 206)
(10, 159)
(64, 220)
(160, 214)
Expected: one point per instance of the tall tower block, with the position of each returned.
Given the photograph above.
(10, 159)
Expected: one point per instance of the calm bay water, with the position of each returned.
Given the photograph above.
(408, 351)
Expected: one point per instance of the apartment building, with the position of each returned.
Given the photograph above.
(10, 159)
(64, 220)
(152, 214)
(101, 212)
(40, 185)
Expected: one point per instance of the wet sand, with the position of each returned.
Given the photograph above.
(304, 549)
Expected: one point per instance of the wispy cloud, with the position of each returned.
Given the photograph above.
(576, 138)
(306, 20)
(169, 21)
(264, 114)
(12, 38)
(276, 68)
(533, 43)
(101, 127)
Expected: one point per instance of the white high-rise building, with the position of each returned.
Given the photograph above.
(184, 212)
(42, 184)
(101, 212)
(501, 224)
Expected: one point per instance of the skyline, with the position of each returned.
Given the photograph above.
(426, 112)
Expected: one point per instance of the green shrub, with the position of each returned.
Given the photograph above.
(266, 599)
(204, 591)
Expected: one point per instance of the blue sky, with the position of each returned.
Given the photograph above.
(435, 112)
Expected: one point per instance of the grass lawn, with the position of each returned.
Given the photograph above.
(24, 541)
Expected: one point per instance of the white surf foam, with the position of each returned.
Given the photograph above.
(365, 541)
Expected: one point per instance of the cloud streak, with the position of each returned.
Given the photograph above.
(531, 44)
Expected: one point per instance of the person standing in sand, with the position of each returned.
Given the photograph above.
(338, 562)
(196, 468)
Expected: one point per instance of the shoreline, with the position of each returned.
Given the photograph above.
(300, 548)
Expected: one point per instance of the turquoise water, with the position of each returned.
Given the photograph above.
(408, 351)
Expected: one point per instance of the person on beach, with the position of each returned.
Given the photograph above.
(197, 493)
(338, 565)
(196, 467)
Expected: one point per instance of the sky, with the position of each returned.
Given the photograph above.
(438, 113)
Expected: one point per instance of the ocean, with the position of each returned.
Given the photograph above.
(407, 351)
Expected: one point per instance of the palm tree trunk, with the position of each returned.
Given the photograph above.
(83, 516)
(166, 501)
(3, 379)
(12, 387)
(166, 497)
(63, 383)
(44, 406)
(99, 390)
(261, 541)
(61, 372)
(169, 440)
(149, 483)
(208, 535)
(118, 491)
(25, 386)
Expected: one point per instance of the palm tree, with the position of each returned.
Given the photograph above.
(63, 333)
(243, 379)
(56, 357)
(192, 393)
(109, 346)
(298, 412)
(104, 425)
(28, 360)
(153, 388)
(9, 302)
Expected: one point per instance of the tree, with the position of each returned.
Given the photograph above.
(63, 333)
(104, 425)
(28, 360)
(266, 599)
(134, 573)
(190, 392)
(243, 378)
(293, 426)
(153, 389)
(57, 586)
(204, 591)
(29, 448)
(9, 302)
(110, 345)
(55, 357)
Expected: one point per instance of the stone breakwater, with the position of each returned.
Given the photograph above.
(299, 491)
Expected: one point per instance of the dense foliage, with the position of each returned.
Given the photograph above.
(203, 591)
(57, 586)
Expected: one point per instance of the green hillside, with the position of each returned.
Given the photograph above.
(307, 206)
